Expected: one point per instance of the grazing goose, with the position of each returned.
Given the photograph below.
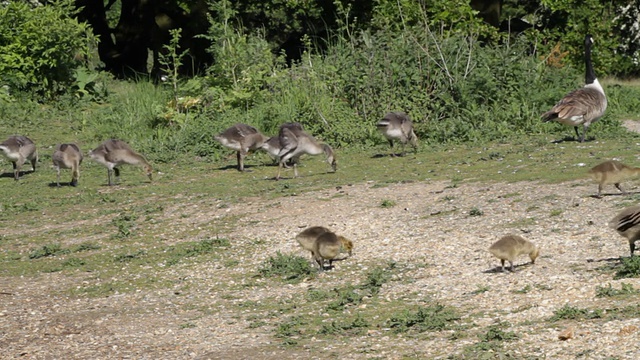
(327, 246)
(19, 149)
(272, 145)
(295, 143)
(398, 126)
(612, 172)
(509, 247)
(323, 244)
(583, 106)
(627, 224)
(242, 138)
(113, 153)
(68, 156)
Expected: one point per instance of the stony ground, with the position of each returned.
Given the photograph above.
(439, 232)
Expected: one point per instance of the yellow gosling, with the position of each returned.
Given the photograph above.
(612, 172)
(627, 224)
(509, 247)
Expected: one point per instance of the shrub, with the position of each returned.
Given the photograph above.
(291, 268)
(431, 318)
(630, 268)
(39, 46)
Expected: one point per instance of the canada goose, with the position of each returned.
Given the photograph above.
(18, 149)
(327, 246)
(398, 126)
(295, 143)
(612, 172)
(627, 224)
(113, 153)
(510, 246)
(68, 156)
(241, 138)
(582, 106)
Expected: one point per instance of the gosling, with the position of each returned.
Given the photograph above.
(67, 156)
(323, 244)
(509, 247)
(113, 153)
(327, 246)
(398, 126)
(19, 149)
(627, 224)
(242, 138)
(612, 172)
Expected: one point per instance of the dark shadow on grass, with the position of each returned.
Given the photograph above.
(615, 194)
(498, 269)
(11, 174)
(55, 185)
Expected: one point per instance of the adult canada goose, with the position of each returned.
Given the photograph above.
(627, 224)
(18, 149)
(612, 172)
(67, 156)
(582, 106)
(399, 127)
(242, 138)
(113, 153)
(295, 143)
(509, 247)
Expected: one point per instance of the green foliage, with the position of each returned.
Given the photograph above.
(609, 291)
(290, 268)
(387, 203)
(39, 46)
(430, 318)
(475, 212)
(630, 268)
(202, 247)
(47, 250)
(356, 326)
(568, 312)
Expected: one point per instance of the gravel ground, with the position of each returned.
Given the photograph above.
(440, 231)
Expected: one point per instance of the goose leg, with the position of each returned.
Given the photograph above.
(620, 188)
(117, 172)
(632, 247)
(16, 171)
(295, 170)
(599, 190)
(33, 165)
(512, 268)
(280, 164)
(578, 137)
(502, 265)
(58, 177)
(391, 145)
(109, 171)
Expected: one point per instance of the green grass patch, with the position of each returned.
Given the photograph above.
(289, 268)
(630, 268)
(428, 318)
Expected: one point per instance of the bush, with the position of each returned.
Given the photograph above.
(40, 45)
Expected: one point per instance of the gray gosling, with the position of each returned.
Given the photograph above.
(398, 126)
(113, 153)
(19, 149)
(510, 246)
(272, 145)
(612, 172)
(242, 138)
(295, 143)
(308, 236)
(582, 106)
(67, 156)
(627, 224)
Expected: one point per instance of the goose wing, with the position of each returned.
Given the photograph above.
(288, 141)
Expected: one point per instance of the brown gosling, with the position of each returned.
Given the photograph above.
(327, 246)
(295, 143)
(113, 153)
(308, 236)
(627, 224)
(19, 149)
(398, 126)
(612, 172)
(509, 247)
(242, 138)
(582, 106)
(67, 156)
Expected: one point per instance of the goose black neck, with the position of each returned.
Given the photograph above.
(590, 75)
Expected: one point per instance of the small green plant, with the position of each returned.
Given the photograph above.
(524, 290)
(630, 268)
(555, 212)
(85, 246)
(290, 268)
(495, 333)
(387, 203)
(357, 326)
(48, 250)
(475, 212)
(481, 289)
(289, 331)
(431, 318)
(123, 258)
(569, 312)
(73, 262)
(188, 250)
(609, 291)
(125, 223)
